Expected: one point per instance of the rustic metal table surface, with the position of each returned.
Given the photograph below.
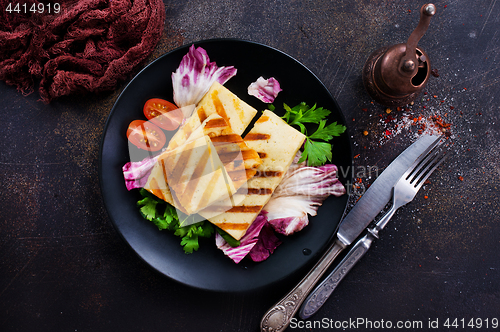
(63, 267)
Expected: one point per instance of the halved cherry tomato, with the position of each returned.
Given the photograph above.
(146, 135)
(163, 113)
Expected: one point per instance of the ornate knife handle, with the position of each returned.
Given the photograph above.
(318, 297)
(278, 317)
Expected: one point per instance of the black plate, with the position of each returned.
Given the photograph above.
(209, 268)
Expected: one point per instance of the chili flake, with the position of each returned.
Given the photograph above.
(461, 178)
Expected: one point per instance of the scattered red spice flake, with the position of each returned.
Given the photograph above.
(425, 197)
(427, 181)
(356, 156)
(387, 133)
(435, 72)
(399, 109)
(452, 108)
(445, 6)
(461, 178)
(364, 109)
(388, 119)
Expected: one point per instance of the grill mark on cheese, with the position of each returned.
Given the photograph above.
(219, 108)
(262, 155)
(232, 225)
(246, 209)
(263, 118)
(195, 177)
(237, 106)
(216, 123)
(259, 191)
(257, 137)
(202, 114)
(268, 174)
(181, 163)
(231, 138)
(250, 173)
(209, 189)
(249, 154)
(174, 197)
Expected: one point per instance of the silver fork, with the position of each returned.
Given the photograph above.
(410, 183)
(403, 192)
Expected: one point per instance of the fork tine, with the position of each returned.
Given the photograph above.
(423, 163)
(422, 157)
(427, 172)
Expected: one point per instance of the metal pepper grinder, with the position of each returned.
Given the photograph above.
(395, 75)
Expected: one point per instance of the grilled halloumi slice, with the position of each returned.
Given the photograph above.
(239, 161)
(196, 176)
(277, 143)
(220, 100)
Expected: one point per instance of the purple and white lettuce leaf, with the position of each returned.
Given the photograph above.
(247, 242)
(136, 173)
(265, 90)
(300, 193)
(266, 243)
(195, 75)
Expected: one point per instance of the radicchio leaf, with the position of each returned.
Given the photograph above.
(195, 76)
(300, 193)
(265, 90)
(247, 242)
(136, 173)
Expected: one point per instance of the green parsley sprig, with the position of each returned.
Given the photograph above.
(317, 150)
(164, 216)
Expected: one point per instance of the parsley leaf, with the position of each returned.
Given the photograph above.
(164, 216)
(315, 152)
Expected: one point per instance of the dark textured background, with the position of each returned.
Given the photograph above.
(63, 267)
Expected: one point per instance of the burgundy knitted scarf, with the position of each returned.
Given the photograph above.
(89, 46)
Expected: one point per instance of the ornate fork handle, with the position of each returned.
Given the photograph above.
(318, 297)
(278, 317)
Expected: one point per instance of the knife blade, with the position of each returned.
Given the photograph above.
(379, 193)
(278, 317)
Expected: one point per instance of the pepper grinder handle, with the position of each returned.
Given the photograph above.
(407, 63)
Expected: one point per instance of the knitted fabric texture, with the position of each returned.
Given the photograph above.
(89, 46)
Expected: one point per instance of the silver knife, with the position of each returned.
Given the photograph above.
(278, 317)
